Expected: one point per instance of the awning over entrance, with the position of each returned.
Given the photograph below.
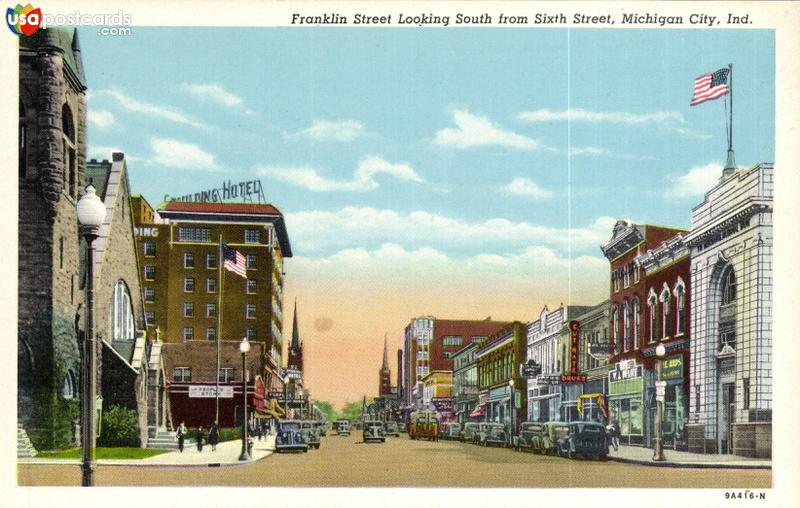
(480, 410)
(273, 410)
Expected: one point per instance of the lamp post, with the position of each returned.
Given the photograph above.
(286, 396)
(244, 347)
(658, 452)
(91, 211)
(511, 405)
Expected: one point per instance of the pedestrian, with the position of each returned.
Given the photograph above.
(613, 432)
(181, 435)
(213, 436)
(258, 431)
(199, 436)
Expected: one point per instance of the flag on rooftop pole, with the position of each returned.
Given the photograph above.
(710, 86)
(234, 261)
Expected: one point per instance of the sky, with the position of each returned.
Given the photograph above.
(460, 173)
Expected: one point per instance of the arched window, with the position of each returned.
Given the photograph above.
(728, 286)
(615, 330)
(664, 298)
(727, 311)
(626, 278)
(652, 303)
(122, 327)
(68, 129)
(69, 387)
(636, 309)
(626, 325)
(680, 307)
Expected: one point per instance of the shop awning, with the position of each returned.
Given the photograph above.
(545, 396)
(480, 410)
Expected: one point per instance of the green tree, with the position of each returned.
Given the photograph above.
(118, 428)
(352, 410)
(327, 409)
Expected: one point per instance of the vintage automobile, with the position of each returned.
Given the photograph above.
(289, 436)
(529, 437)
(372, 430)
(402, 427)
(587, 439)
(391, 429)
(310, 434)
(467, 433)
(552, 432)
(342, 427)
(482, 427)
(494, 435)
(424, 425)
(451, 431)
(322, 427)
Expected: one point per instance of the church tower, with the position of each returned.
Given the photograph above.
(295, 360)
(385, 383)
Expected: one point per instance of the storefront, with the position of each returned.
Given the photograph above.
(625, 400)
(675, 405)
(498, 410)
(544, 402)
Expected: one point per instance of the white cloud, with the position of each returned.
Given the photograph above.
(359, 225)
(164, 112)
(526, 188)
(596, 151)
(697, 181)
(582, 115)
(473, 130)
(100, 118)
(177, 154)
(363, 180)
(690, 133)
(338, 130)
(216, 93)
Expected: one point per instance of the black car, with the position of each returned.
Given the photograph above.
(587, 439)
(391, 429)
(373, 431)
(290, 436)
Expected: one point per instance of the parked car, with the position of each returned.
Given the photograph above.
(322, 427)
(342, 427)
(391, 429)
(482, 428)
(467, 433)
(310, 434)
(424, 425)
(289, 436)
(451, 431)
(494, 434)
(373, 431)
(587, 439)
(401, 426)
(529, 437)
(552, 432)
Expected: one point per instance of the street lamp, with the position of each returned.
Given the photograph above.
(511, 404)
(244, 347)
(91, 212)
(286, 396)
(658, 452)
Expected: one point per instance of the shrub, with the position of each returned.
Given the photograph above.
(118, 428)
(229, 434)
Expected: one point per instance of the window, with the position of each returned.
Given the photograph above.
(69, 388)
(149, 272)
(211, 310)
(615, 279)
(680, 308)
(149, 248)
(251, 261)
(728, 287)
(188, 333)
(149, 294)
(636, 309)
(746, 392)
(61, 253)
(251, 286)
(149, 317)
(226, 375)
(652, 303)
(665, 312)
(251, 236)
(188, 260)
(615, 329)
(182, 374)
(188, 309)
(635, 272)
(211, 285)
(70, 166)
(626, 276)
(122, 313)
(194, 235)
(211, 260)
(211, 333)
(477, 338)
(250, 333)
(452, 340)
(250, 311)
(626, 325)
(188, 285)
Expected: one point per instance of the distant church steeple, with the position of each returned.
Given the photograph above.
(296, 346)
(384, 376)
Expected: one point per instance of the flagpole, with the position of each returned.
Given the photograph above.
(219, 323)
(730, 164)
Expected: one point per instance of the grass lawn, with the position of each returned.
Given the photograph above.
(103, 453)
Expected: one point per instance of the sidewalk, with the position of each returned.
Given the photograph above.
(641, 455)
(226, 454)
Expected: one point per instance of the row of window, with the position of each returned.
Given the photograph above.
(251, 287)
(204, 235)
(496, 371)
(211, 310)
(188, 262)
(452, 340)
(184, 375)
(627, 275)
(661, 324)
(211, 333)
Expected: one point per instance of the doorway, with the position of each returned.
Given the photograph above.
(726, 417)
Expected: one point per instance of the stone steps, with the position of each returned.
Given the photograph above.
(162, 439)
(24, 446)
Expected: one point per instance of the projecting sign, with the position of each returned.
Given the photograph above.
(574, 337)
(529, 370)
(209, 392)
(292, 373)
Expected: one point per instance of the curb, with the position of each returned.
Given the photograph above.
(690, 465)
(72, 462)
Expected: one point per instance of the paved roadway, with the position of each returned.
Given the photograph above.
(400, 462)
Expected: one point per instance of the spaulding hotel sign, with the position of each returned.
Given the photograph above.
(245, 191)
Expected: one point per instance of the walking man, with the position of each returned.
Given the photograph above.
(213, 436)
(181, 436)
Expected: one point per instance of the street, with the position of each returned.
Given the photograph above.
(400, 462)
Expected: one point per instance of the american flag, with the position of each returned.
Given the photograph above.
(234, 261)
(710, 86)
